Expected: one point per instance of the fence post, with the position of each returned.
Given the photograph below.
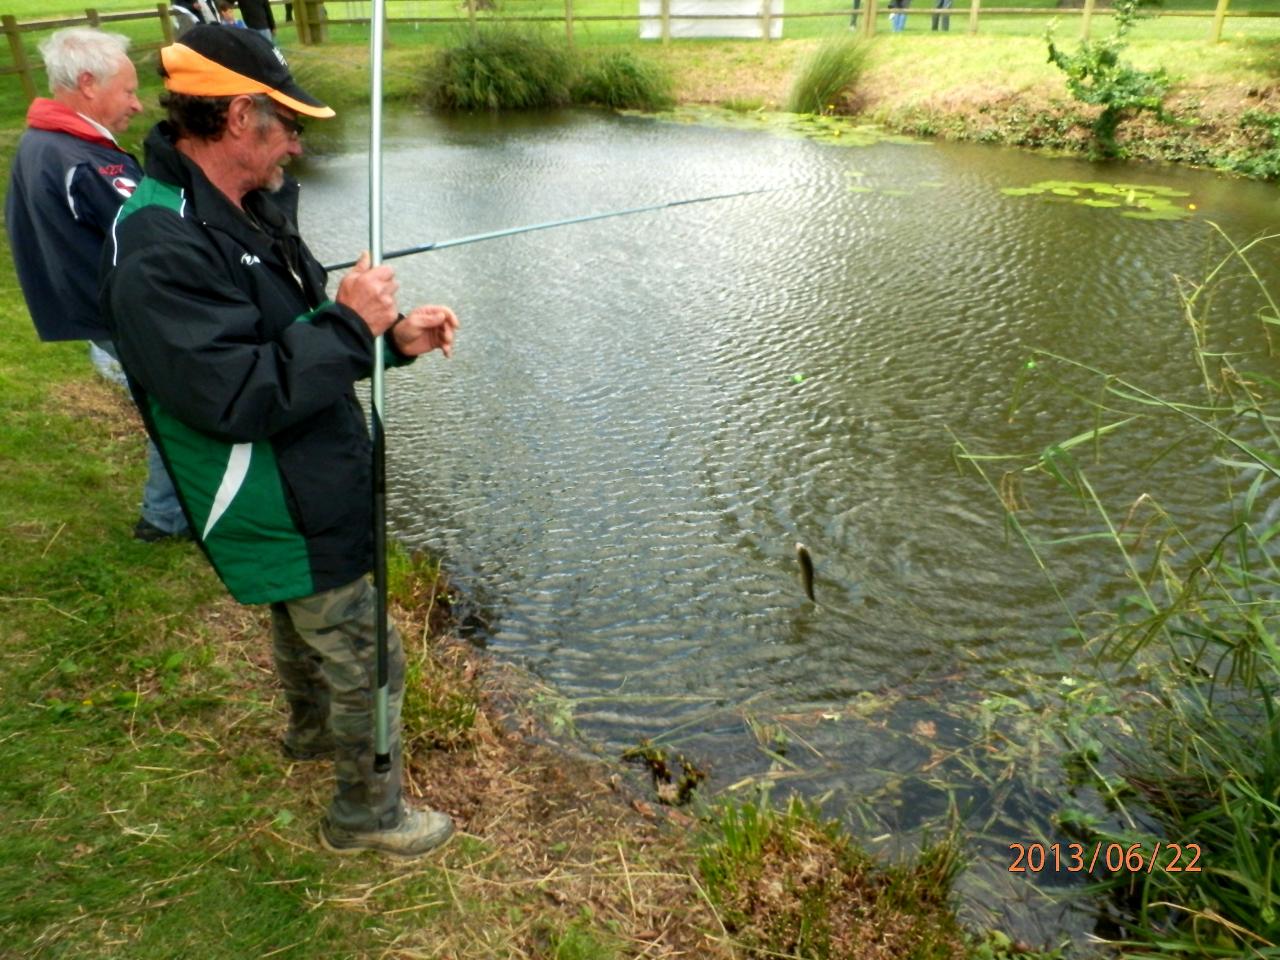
(766, 17)
(869, 19)
(301, 20)
(1219, 15)
(568, 21)
(318, 25)
(471, 13)
(166, 25)
(1088, 20)
(19, 55)
(666, 22)
(973, 15)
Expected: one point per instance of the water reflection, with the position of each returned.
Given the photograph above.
(644, 415)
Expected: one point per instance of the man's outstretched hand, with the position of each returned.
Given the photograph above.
(424, 329)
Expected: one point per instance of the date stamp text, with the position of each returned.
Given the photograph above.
(1109, 857)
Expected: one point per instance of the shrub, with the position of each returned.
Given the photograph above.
(832, 69)
(1097, 76)
(623, 81)
(501, 68)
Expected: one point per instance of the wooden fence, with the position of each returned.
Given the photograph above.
(311, 20)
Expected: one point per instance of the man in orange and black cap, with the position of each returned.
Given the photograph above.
(244, 370)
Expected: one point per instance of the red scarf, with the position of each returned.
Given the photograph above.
(46, 114)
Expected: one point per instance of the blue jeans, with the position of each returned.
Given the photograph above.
(160, 506)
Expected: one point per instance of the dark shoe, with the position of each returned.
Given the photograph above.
(316, 750)
(418, 833)
(148, 532)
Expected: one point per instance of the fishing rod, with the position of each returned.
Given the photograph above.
(586, 218)
(381, 704)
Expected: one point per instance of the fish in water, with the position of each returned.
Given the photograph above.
(806, 570)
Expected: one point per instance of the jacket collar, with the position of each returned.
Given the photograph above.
(211, 206)
(52, 115)
(271, 234)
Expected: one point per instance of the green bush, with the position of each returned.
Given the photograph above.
(831, 70)
(623, 80)
(1097, 76)
(501, 68)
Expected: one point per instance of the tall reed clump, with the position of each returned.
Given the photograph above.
(1187, 785)
(501, 68)
(830, 71)
(622, 80)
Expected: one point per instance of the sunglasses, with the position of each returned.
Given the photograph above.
(292, 125)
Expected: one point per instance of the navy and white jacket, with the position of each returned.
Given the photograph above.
(67, 183)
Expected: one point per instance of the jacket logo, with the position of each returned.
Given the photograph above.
(124, 186)
(249, 259)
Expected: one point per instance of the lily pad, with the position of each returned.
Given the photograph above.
(1132, 200)
(837, 131)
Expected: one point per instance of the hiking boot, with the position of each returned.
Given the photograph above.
(418, 833)
(321, 749)
(148, 532)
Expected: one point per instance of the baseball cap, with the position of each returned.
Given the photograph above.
(216, 61)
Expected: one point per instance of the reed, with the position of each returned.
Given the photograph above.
(827, 75)
(622, 80)
(500, 68)
(1189, 654)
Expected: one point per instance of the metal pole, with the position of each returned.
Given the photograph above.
(381, 733)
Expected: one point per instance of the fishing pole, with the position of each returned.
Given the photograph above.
(381, 705)
(513, 231)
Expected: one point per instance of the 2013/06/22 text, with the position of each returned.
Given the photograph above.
(1113, 857)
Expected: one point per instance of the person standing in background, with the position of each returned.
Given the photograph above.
(259, 18)
(942, 18)
(68, 180)
(898, 18)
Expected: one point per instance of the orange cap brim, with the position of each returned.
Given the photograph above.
(197, 76)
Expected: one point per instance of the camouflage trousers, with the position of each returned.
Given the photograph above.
(324, 650)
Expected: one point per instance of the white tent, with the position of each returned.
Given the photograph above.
(651, 26)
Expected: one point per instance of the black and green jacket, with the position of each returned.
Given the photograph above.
(244, 372)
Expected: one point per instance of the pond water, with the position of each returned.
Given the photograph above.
(644, 415)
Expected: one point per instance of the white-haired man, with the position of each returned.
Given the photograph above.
(68, 180)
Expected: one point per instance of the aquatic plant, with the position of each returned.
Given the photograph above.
(1133, 200)
(500, 68)
(1097, 76)
(1180, 748)
(623, 80)
(827, 75)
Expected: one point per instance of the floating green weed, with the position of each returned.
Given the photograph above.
(1132, 200)
(838, 131)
